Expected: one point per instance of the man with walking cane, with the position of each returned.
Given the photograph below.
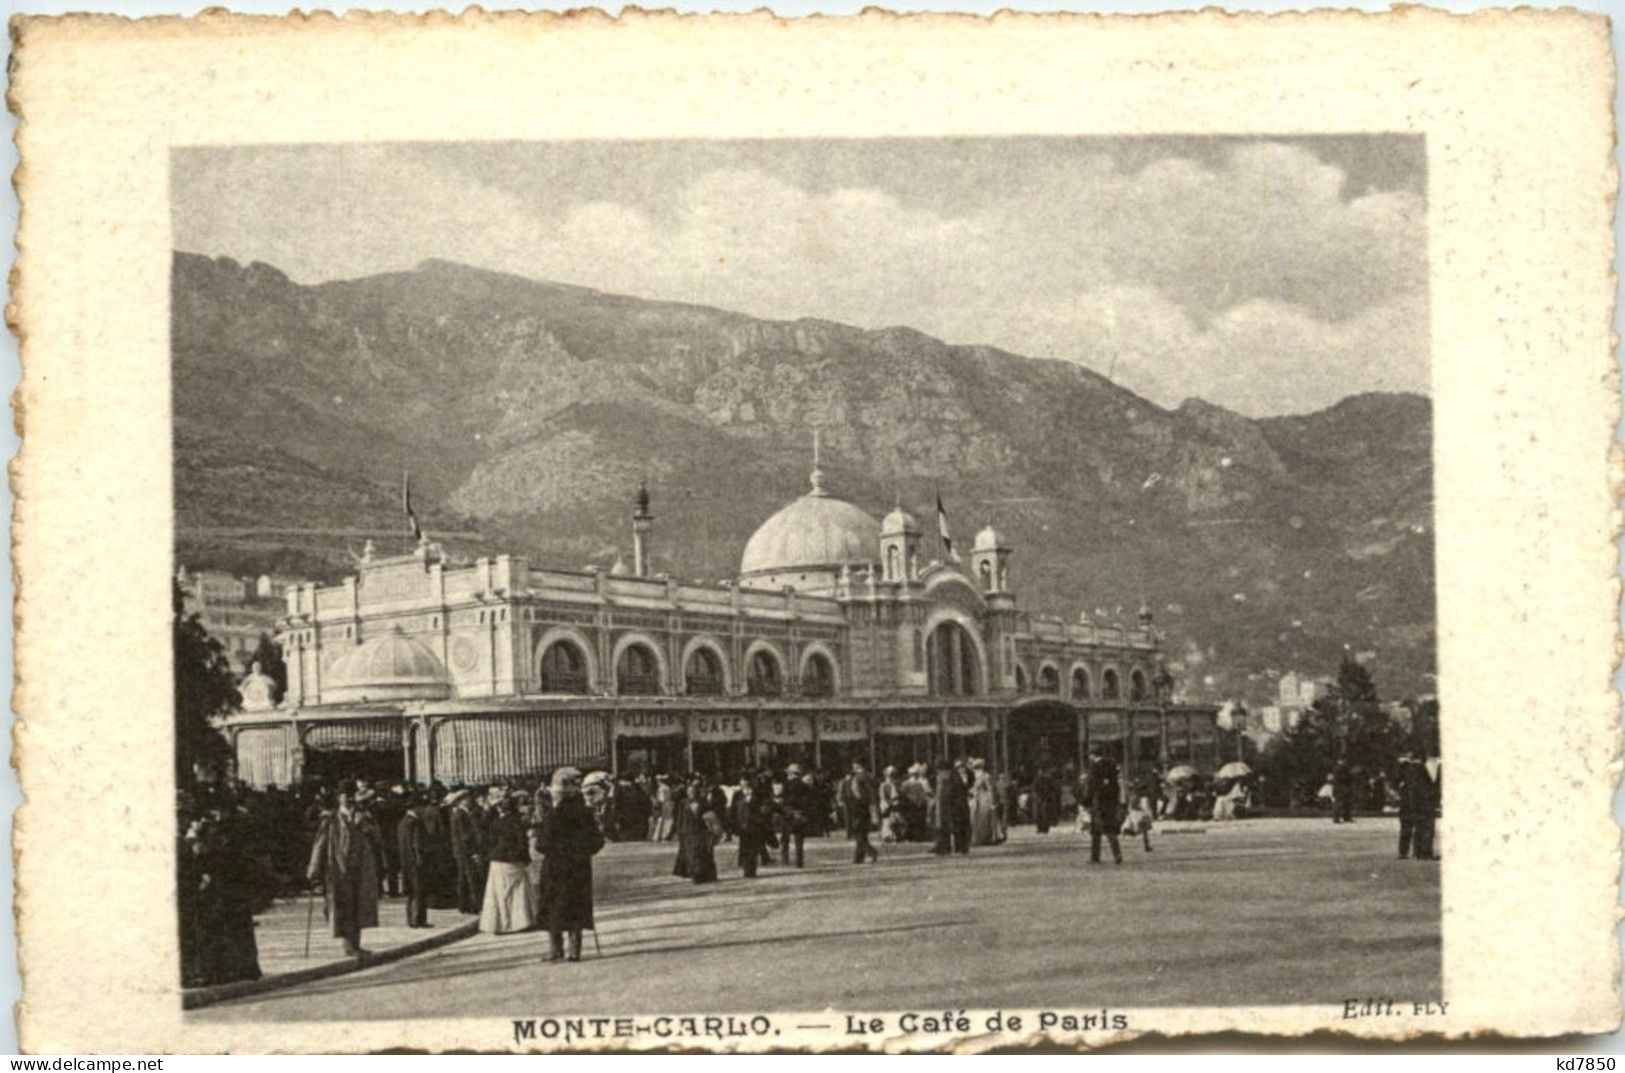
(345, 861)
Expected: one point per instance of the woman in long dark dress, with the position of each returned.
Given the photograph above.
(698, 828)
(567, 838)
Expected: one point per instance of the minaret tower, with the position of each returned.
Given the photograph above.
(642, 525)
(899, 544)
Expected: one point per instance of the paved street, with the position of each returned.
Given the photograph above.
(1256, 912)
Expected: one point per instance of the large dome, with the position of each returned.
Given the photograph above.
(817, 530)
(389, 667)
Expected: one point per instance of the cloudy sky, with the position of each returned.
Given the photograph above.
(1270, 276)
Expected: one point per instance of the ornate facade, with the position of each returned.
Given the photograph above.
(837, 641)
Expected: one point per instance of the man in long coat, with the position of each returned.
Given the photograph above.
(800, 807)
(951, 812)
(1418, 806)
(1103, 797)
(751, 818)
(345, 860)
(1045, 799)
(567, 838)
(858, 806)
(467, 852)
(412, 849)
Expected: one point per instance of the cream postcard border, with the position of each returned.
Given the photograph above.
(1516, 112)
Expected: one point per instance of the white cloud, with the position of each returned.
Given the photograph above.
(1250, 280)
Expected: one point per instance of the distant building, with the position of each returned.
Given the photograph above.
(838, 641)
(237, 611)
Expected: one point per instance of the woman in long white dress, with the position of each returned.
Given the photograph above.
(510, 903)
(985, 829)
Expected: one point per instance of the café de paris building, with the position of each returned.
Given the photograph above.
(836, 642)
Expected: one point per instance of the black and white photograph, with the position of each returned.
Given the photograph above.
(688, 578)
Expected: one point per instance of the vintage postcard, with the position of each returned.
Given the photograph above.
(895, 533)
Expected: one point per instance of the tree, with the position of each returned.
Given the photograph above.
(1347, 724)
(268, 654)
(204, 687)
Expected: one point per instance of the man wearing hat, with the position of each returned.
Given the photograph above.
(567, 838)
(467, 851)
(858, 806)
(413, 852)
(800, 806)
(344, 860)
(951, 804)
(1103, 796)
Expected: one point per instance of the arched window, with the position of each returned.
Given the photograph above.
(1137, 690)
(564, 668)
(1021, 679)
(638, 672)
(951, 663)
(818, 680)
(1080, 684)
(986, 570)
(763, 678)
(703, 675)
(893, 562)
(1109, 689)
(1049, 680)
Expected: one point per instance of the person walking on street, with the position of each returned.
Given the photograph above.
(859, 805)
(951, 804)
(751, 820)
(800, 809)
(1103, 795)
(1045, 799)
(509, 904)
(699, 829)
(892, 827)
(1342, 781)
(567, 839)
(1418, 804)
(467, 852)
(345, 860)
(412, 849)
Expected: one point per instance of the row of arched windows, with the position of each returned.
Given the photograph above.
(637, 672)
(1111, 684)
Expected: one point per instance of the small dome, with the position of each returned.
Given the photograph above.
(816, 530)
(987, 540)
(389, 667)
(898, 521)
(619, 568)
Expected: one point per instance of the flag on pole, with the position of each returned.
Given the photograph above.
(942, 530)
(406, 504)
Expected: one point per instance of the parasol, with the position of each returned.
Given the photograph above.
(1235, 770)
(1181, 773)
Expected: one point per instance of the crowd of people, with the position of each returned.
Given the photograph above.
(519, 855)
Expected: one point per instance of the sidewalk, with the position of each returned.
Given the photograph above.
(280, 934)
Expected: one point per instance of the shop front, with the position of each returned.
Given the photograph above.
(651, 741)
(1107, 730)
(721, 743)
(782, 739)
(1041, 733)
(904, 738)
(842, 738)
(968, 736)
(371, 750)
